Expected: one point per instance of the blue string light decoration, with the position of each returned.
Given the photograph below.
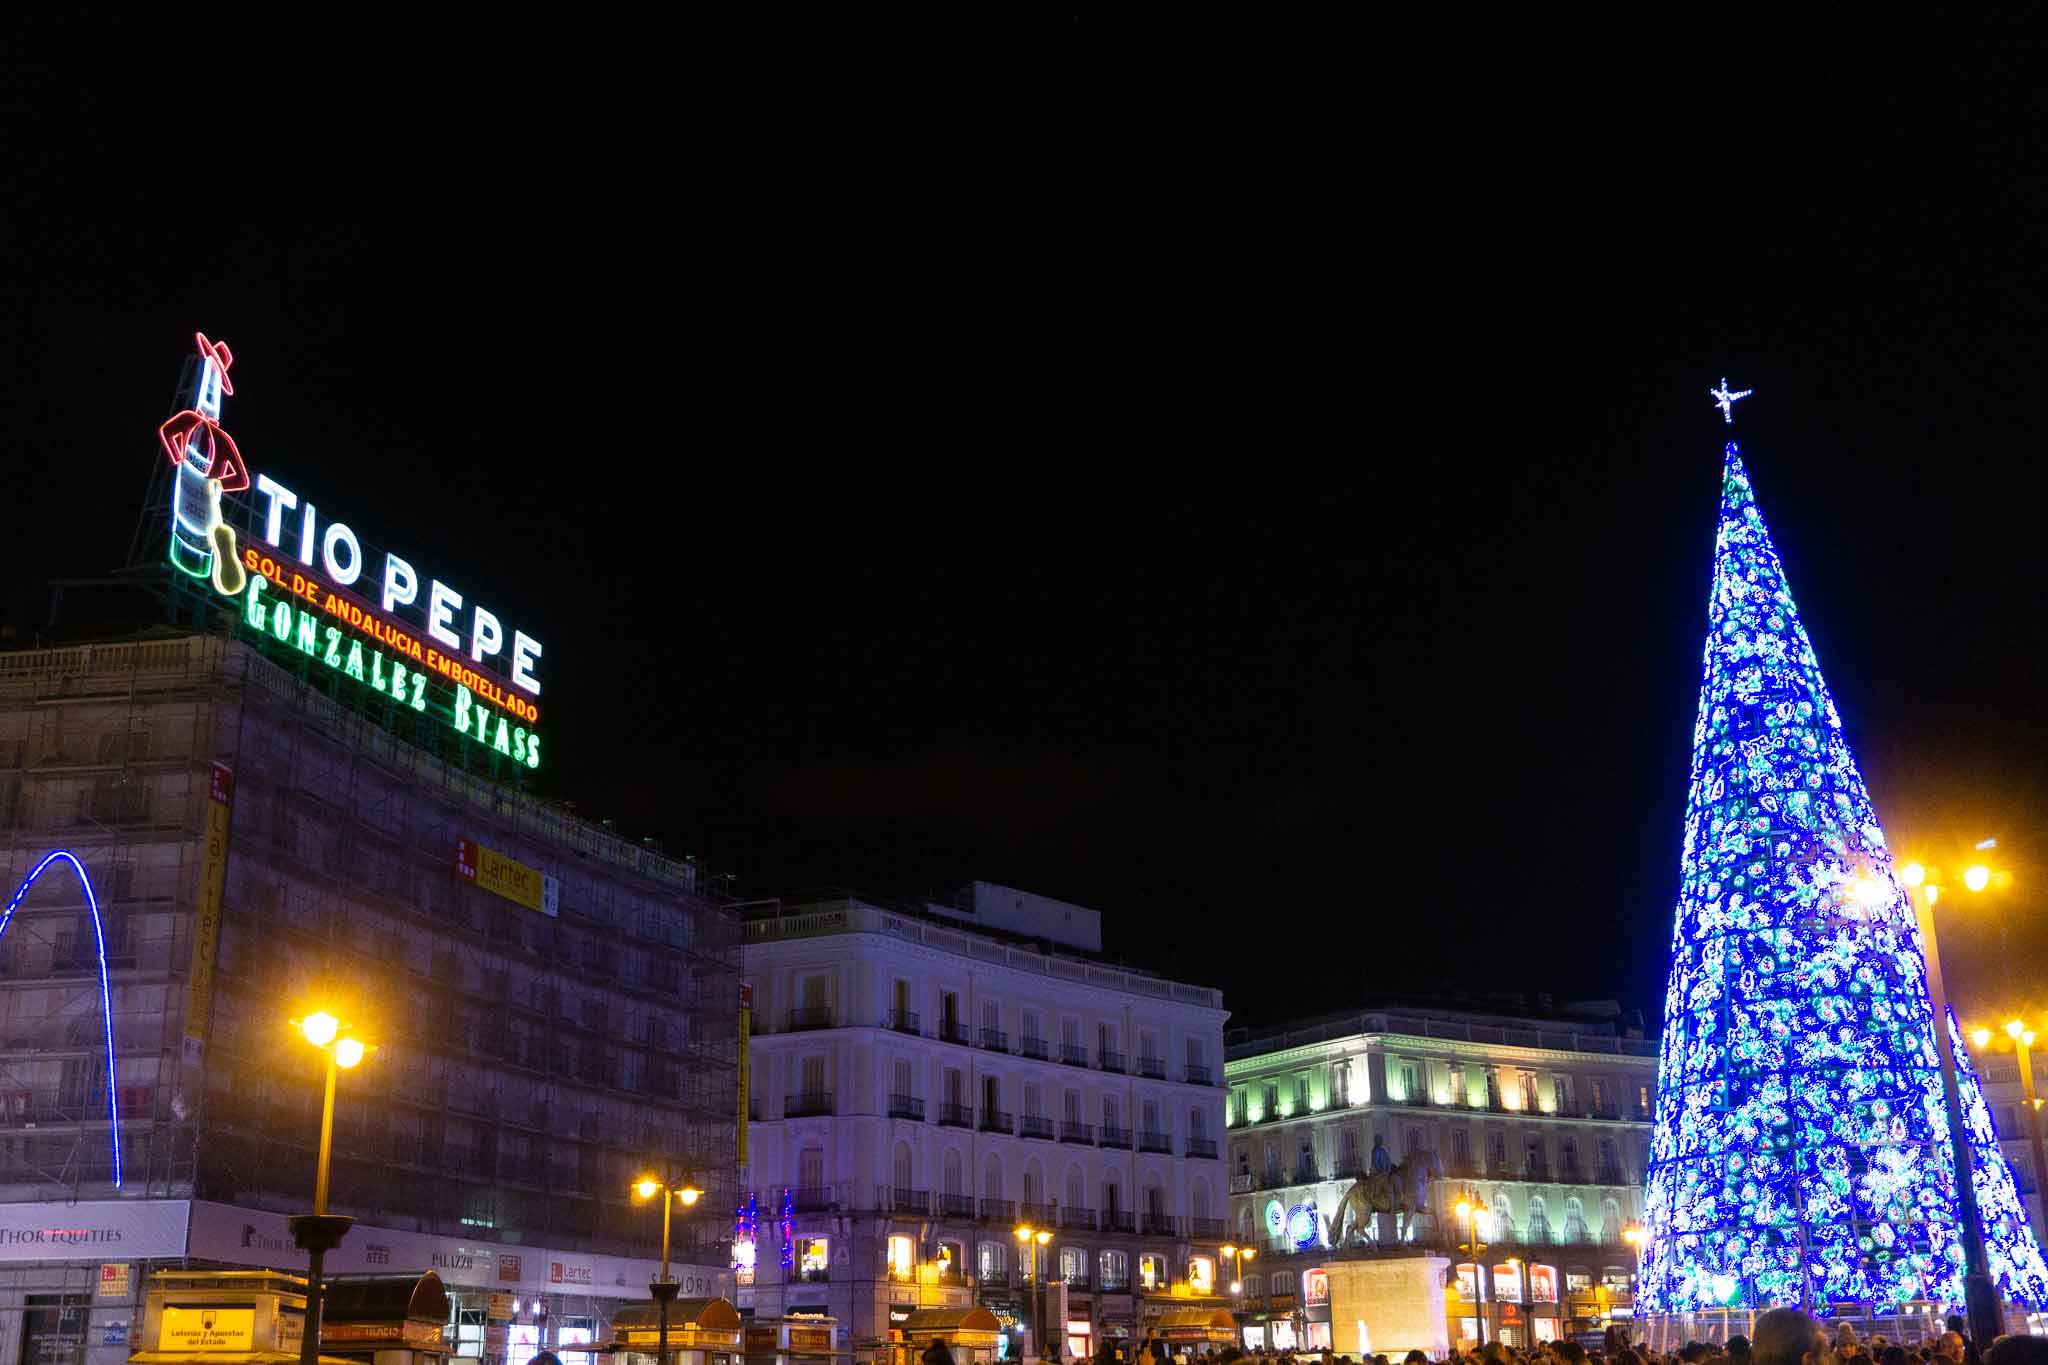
(99, 935)
(2014, 1256)
(1800, 1152)
(787, 1222)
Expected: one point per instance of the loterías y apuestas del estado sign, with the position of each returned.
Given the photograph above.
(307, 583)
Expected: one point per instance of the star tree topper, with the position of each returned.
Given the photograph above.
(1726, 400)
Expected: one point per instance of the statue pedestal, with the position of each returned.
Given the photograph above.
(1389, 1305)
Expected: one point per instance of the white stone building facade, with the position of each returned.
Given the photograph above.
(926, 1079)
(1543, 1119)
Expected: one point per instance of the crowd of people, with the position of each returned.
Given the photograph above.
(1783, 1336)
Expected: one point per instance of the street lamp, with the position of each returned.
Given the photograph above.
(664, 1289)
(1470, 1210)
(2023, 1043)
(1238, 1256)
(1031, 1239)
(1979, 1296)
(319, 1232)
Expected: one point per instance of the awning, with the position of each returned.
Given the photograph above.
(951, 1323)
(1194, 1324)
(384, 1298)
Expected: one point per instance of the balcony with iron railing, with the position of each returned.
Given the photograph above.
(998, 1211)
(1114, 1135)
(1073, 1054)
(907, 1107)
(1305, 1173)
(956, 1206)
(953, 1031)
(807, 1104)
(953, 1115)
(995, 1121)
(1205, 1229)
(1611, 1175)
(995, 1040)
(1199, 1075)
(1119, 1220)
(1028, 1046)
(1204, 1148)
(814, 1199)
(1110, 1061)
(1038, 1214)
(810, 1017)
(1073, 1216)
(1158, 1225)
(1073, 1131)
(904, 1021)
(905, 1200)
(1151, 1068)
(1154, 1142)
(1035, 1126)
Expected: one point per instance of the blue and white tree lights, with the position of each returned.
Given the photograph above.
(1801, 1152)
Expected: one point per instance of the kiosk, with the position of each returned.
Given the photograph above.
(805, 1340)
(700, 1332)
(969, 1333)
(1199, 1329)
(386, 1319)
(224, 1317)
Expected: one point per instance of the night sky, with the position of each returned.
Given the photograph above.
(1269, 503)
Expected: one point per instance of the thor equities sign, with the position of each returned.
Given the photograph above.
(409, 637)
(134, 1229)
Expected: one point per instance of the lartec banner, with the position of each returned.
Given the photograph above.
(507, 877)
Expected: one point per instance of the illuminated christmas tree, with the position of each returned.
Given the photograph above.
(1801, 1151)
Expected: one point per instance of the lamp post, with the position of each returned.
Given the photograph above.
(1238, 1256)
(664, 1289)
(1980, 1297)
(319, 1232)
(2023, 1044)
(1635, 1237)
(1469, 1210)
(1031, 1240)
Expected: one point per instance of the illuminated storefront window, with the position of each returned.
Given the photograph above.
(1201, 1275)
(1507, 1282)
(1543, 1284)
(902, 1258)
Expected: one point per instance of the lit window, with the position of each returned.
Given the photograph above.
(1201, 1274)
(1151, 1271)
(902, 1255)
(1074, 1265)
(816, 1261)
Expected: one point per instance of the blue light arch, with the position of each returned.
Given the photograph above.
(106, 998)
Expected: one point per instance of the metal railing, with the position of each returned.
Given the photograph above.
(995, 1040)
(1152, 1068)
(1035, 1126)
(995, 1121)
(905, 1200)
(1070, 1131)
(1074, 1216)
(1110, 1061)
(1031, 1047)
(1201, 1147)
(813, 1199)
(1154, 1142)
(953, 1115)
(1115, 1136)
(904, 1021)
(810, 1017)
(807, 1104)
(906, 1107)
(1072, 1054)
(956, 1206)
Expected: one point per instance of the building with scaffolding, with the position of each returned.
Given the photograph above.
(554, 1007)
(932, 1080)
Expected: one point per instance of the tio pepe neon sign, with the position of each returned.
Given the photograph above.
(323, 619)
